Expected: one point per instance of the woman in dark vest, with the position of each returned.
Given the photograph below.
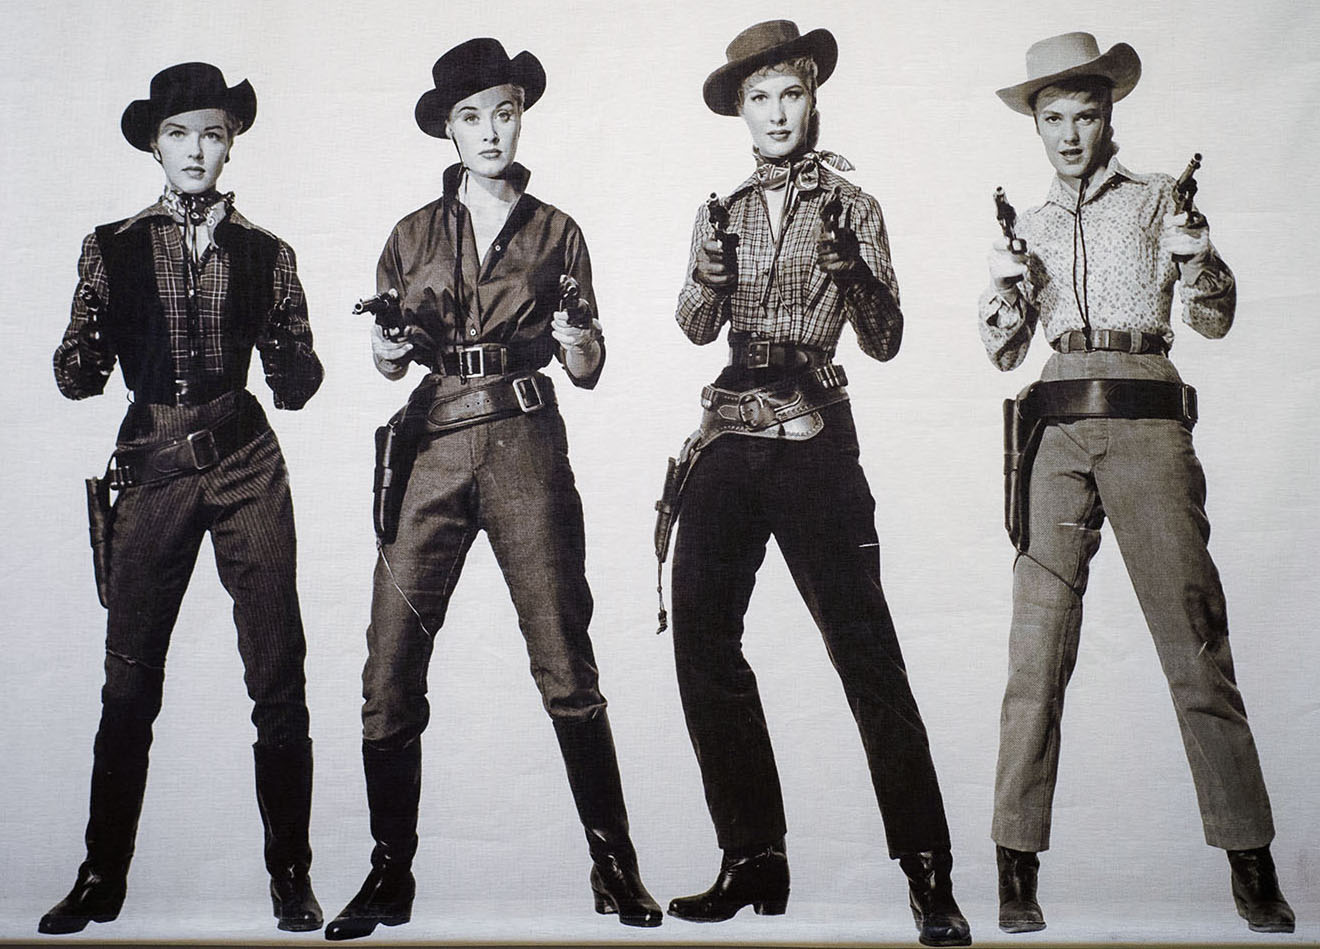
(180, 294)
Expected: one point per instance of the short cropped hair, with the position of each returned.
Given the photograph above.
(1097, 87)
(803, 67)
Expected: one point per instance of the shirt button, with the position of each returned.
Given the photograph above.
(498, 248)
(472, 331)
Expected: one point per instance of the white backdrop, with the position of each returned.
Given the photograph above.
(623, 142)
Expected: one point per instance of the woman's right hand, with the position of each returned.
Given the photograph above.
(1006, 267)
(714, 269)
(391, 355)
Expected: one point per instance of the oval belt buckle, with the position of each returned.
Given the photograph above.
(754, 411)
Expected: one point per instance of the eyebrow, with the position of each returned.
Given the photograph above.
(177, 125)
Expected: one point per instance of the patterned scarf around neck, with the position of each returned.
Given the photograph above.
(197, 214)
(803, 171)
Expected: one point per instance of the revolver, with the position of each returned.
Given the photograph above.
(1007, 221)
(91, 354)
(1185, 193)
(717, 212)
(385, 308)
(570, 303)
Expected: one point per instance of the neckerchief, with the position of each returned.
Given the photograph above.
(804, 171)
(197, 214)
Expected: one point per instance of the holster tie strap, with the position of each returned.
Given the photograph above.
(194, 452)
(1110, 398)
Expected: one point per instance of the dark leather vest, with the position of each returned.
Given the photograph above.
(135, 316)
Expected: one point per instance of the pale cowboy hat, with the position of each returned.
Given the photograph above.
(472, 67)
(764, 45)
(1068, 55)
(186, 88)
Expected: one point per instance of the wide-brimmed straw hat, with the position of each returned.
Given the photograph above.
(186, 88)
(764, 45)
(1068, 55)
(469, 68)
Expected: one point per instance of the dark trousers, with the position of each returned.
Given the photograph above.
(511, 478)
(812, 496)
(244, 502)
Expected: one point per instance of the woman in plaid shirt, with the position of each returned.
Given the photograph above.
(810, 253)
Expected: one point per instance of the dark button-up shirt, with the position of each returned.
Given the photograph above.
(169, 260)
(509, 298)
(804, 305)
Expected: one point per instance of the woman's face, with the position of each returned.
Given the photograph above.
(777, 109)
(485, 128)
(1072, 129)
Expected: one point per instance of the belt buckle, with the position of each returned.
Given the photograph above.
(528, 394)
(202, 446)
(758, 353)
(471, 362)
(754, 411)
(1189, 403)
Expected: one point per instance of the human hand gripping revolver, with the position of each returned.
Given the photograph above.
(1186, 232)
(838, 252)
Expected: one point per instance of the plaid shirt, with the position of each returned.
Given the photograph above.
(169, 263)
(803, 304)
(1129, 276)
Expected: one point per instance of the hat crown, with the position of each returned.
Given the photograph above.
(482, 55)
(195, 77)
(1060, 53)
(763, 36)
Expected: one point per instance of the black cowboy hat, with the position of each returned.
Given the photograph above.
(469, 68)
(764, 45)
(185, 88)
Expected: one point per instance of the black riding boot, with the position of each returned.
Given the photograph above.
(284, 798)
(930, 887)
(1019, 911)
(1256, 892)
(593, 776)
(394, 787)
(756, 878)
(119, 779)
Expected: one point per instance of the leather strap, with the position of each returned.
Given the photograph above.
(194, 452)
(1110, 398)
(1118, 341)
(765, 410)
(473, 405)
(747, 352)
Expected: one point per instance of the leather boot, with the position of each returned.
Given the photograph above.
(930, 888)
(1019, 912)
(119, 779)
(394, 787)
(758, 878)
(284, 798)
(593, 777)
(1256, 892)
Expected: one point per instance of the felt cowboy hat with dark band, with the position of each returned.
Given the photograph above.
(1068, 56)
(469, 68)
(764, 45)
(186, 88)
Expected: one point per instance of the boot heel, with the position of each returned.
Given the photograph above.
(770, 907)
(603, 906)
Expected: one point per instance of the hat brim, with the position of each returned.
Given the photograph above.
(434, 106)
(1120, 65)
(142, 118)
(721, 87)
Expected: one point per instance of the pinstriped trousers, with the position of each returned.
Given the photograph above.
(244, 503)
